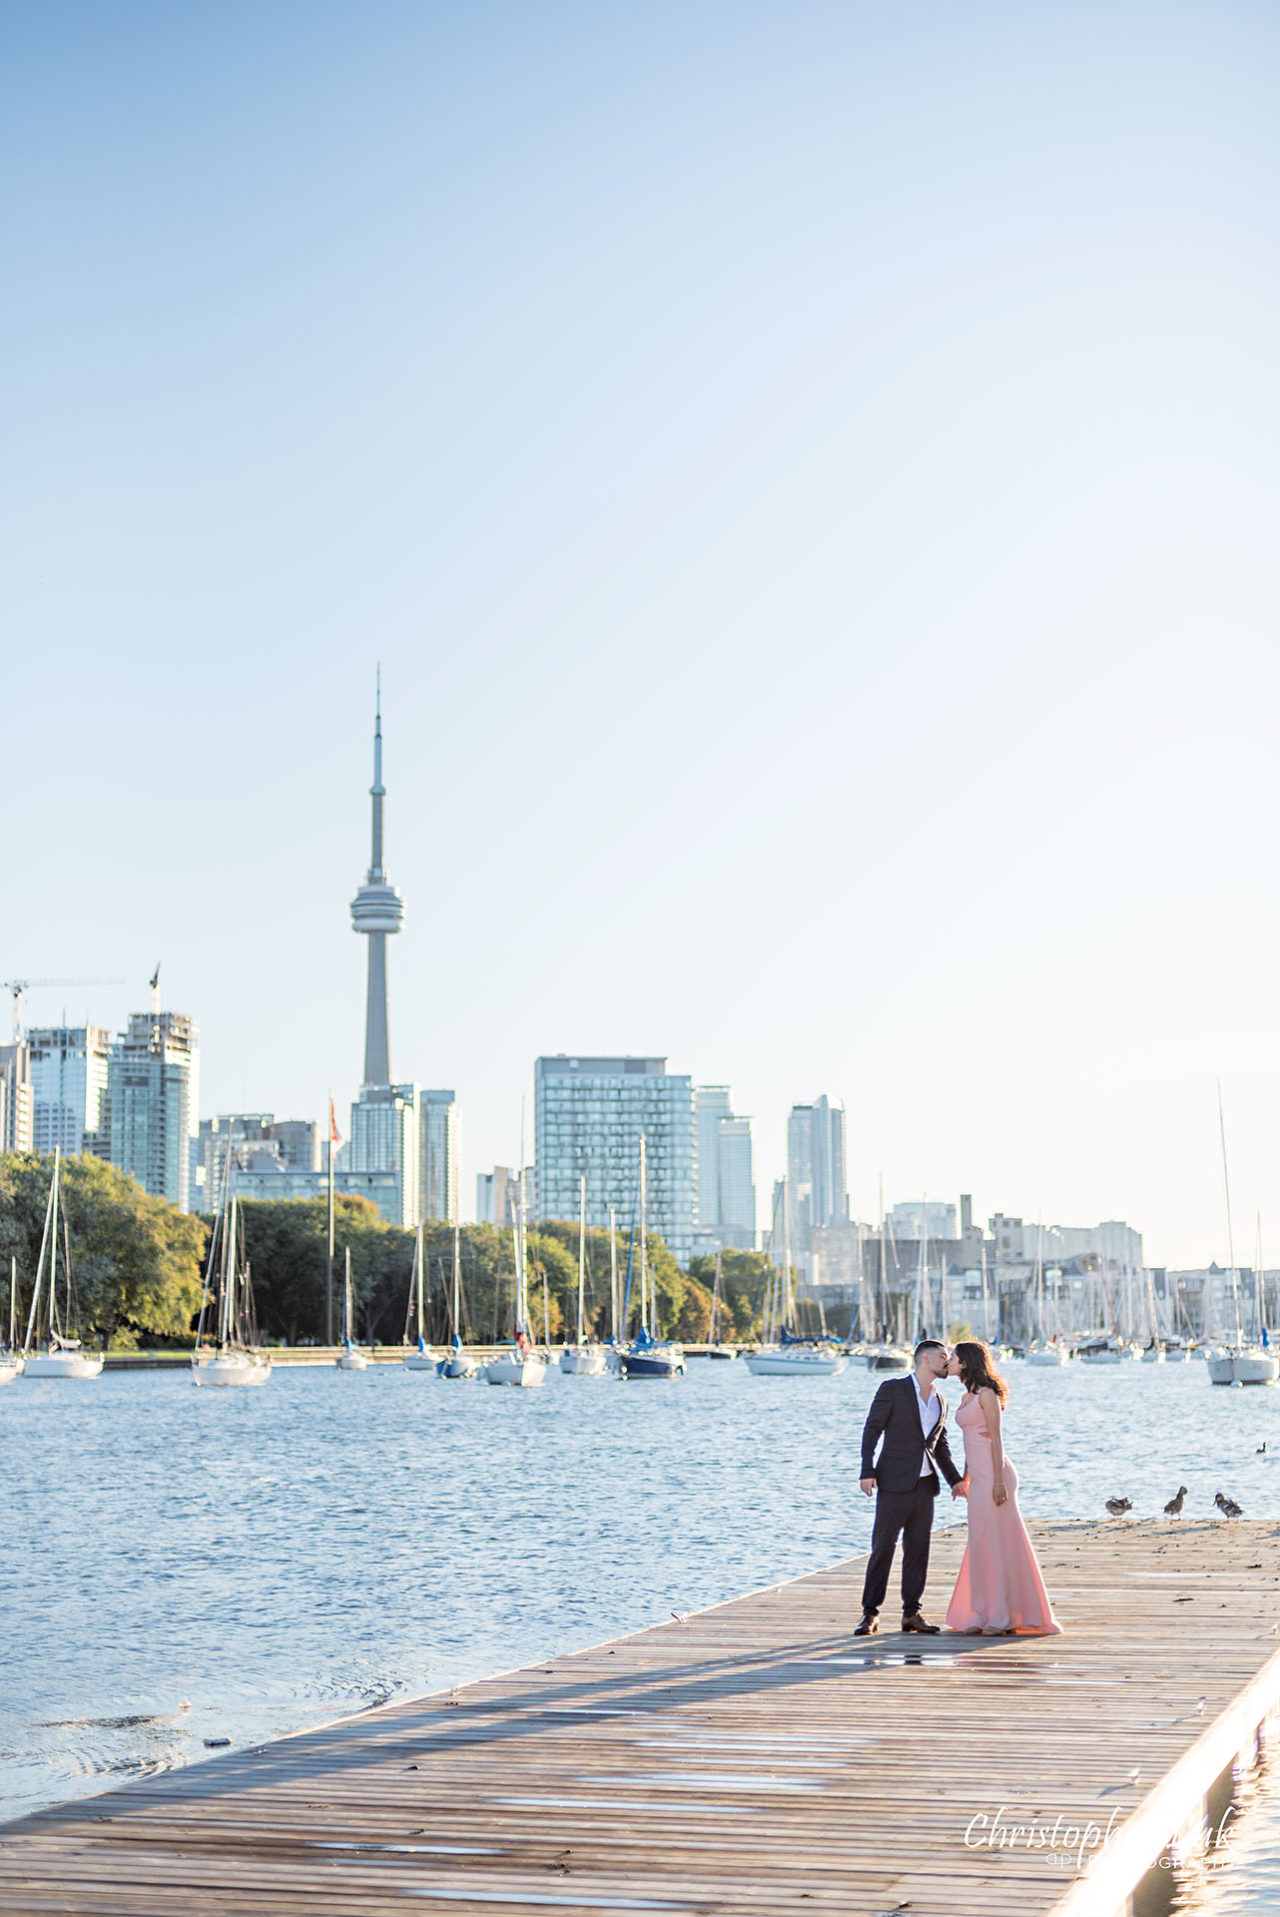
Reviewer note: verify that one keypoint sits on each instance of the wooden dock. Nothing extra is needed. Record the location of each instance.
(753, 1760)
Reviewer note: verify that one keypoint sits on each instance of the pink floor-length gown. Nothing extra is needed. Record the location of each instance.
(999, 1587)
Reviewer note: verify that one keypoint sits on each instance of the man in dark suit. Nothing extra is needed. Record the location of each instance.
(910, 1414)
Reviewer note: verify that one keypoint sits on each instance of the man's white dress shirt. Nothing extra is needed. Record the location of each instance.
(930, 1412)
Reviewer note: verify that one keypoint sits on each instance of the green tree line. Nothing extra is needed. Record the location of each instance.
(138, 1266)
(135, 1259)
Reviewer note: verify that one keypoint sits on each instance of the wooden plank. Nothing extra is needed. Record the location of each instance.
(753, 1759)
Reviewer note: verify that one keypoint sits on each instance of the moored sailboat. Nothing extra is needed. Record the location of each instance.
(784, 1354)
(522, 1365)
(421, 1358)
(647, 1355)
(350, 1358)
(10, 1356)
(1245, 1361)
(232, 1356)
(456, 1362)
(585, 1358)
(51, 1348)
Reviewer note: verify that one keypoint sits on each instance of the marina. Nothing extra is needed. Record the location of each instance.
(747, 1758)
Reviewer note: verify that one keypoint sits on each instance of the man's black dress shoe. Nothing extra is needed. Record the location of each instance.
(916, 1623)
(867, 1628)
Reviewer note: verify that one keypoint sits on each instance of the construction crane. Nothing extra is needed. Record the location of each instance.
(19, 986)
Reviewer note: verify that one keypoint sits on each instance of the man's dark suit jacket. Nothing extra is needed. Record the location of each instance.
(895, 1413)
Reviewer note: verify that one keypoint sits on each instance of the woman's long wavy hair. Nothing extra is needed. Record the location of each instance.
(977, 1368)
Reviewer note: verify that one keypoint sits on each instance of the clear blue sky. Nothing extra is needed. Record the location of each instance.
(809, 472)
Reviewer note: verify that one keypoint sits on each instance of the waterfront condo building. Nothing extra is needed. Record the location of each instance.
(589, 1116)
(816, 1178)
(726, 1194)
(68, 1086)
(384, 1138)
(16, 1104)
(437, 1145)
(152, 1100)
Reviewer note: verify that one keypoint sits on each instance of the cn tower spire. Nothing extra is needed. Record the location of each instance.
(377, 911)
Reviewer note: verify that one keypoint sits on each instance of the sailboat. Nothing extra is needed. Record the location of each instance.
(1043, 1350)
(10, 1356)
(584, 1358)
(715, 1350)
(788, 1356)
(232, 1356)
(422, 1358)
(885, 1355)
(51, 1348)
(350, 1358)
(1246, 1361)
(456, 1363)
(646, 1355)
(523, 1365)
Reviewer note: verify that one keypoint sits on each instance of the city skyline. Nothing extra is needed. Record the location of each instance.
(808, 475)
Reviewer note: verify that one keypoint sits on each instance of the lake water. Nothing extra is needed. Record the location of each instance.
(182, 1565)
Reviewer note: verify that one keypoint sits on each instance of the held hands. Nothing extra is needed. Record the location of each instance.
(960, 1490)
(998, 1492)
(869, 1486)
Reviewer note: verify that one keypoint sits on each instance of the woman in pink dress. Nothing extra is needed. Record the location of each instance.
(999, 1591)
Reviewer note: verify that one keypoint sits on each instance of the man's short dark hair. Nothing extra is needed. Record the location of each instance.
(927, 1344)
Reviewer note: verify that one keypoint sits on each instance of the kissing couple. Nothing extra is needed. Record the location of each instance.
(999, 1592)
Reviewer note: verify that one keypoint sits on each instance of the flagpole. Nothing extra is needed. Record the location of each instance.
(328, 1288)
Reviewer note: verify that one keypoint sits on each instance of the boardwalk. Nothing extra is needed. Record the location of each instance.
(750, 1759)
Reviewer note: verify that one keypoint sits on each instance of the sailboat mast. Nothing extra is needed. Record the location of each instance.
(582, 1248)
(613, 1272)
(644, 1289)
(328, 1280)
(715, 1298)
(13, 1301)
(53, 1250)
(35, 1294)
(786, 1252)
(1231, 1243)
(226, 1304)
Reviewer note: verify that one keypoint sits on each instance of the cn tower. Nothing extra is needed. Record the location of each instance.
(377, 910)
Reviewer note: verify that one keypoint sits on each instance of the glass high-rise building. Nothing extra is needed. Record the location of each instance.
(726, 1196)
(816, 1176)
(68, 1085)
(437, 1144)
(153, 1073)
(384, 1138)
(589, 1115)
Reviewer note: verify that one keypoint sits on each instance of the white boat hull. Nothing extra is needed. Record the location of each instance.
(1153, 1357)
(887, 1358)
(794, 1364)
(352, 1360)
(62, 1364)
(512, 1369)
(583, 1361)
(1242, 1367)
(422, 1361)
(1048, 1355)
(10, 1368)
(250, 1369)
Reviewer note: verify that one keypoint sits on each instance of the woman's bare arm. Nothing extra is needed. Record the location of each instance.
(991, 1412)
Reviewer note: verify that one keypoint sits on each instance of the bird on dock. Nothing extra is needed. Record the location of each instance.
(1228, 1506)
(1118, 1506)
(1174, 1507)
